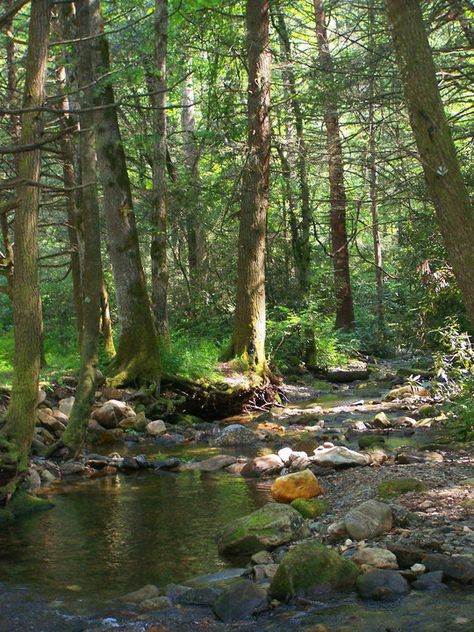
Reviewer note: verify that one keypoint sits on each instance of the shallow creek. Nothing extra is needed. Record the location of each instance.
(62, 569)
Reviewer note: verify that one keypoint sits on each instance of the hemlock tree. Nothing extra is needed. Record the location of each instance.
(434, 141)
(248, 341)
(340, 249)
(17, 433)
(137, 357)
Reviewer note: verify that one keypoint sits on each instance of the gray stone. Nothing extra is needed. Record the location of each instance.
(65, 405)
(262, 466)
(368, 520)
(240, 601)
(235, 434)
(430, 581)
(110, 414)
(147, 592)
(156, 428)
(339, 456)
(214, 464)
(458, 569)
(382, 585)
(375, 558)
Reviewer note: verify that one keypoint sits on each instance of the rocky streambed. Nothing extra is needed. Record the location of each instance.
(342, 510)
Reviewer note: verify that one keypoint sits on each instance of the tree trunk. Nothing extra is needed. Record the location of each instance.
(194, 231)
(297, 160)
(457, 12)
(435, 145)
(105, 321)
(340, 250)
(137, 358)
(73, 436)
(17, 433)
(159, 245)
(248, 341)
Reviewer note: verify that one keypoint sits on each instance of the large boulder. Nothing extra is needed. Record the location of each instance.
(382, 585)
(297, 485)
(240, 601)
(110, 414)
(339, 456)
(458, 569)
(353, 370)
(213, 464)
(268, 527)
(368, 520)
(261, 466)
(309, 569)
(235, 435)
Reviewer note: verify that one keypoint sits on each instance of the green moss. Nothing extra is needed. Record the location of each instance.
(22, 504)
(309, 569)
(395, 487)
(370, 440)
(310, 507)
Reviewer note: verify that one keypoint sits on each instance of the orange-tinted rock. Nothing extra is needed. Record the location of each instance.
(298, 485)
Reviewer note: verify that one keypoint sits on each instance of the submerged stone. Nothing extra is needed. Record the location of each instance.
(240, 601)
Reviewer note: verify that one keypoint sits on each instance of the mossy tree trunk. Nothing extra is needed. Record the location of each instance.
(73, 436)
(434, 141)
(17, 433)
(137, 358)
(159, 245)
(248, 341)
(340, 249)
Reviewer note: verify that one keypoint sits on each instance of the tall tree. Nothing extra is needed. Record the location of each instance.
(340, 248)
(434, 141)
(17, 433)
(159, 246)
(137, 357)
(248, 340)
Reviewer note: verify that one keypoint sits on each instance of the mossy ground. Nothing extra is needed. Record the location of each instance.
(392, 488)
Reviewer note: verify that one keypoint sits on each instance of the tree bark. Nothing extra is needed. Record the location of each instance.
(17, 433)
(248, 340)
(340, 249)
(433, 138)
(159, 240)
(194, 231)
(137, 358)
(73, 436)
(106, 322)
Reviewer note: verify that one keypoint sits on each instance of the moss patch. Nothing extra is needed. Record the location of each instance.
(370, 440)
(22, 504)
(397, 486)
(310, 507)
(309, 569)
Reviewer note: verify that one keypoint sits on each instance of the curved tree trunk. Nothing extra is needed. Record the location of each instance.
(17, 433)
(137, 358)
(434, 141)
(340, 250)
(248, 341)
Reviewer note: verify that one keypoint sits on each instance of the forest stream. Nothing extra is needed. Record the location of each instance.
(64, 569)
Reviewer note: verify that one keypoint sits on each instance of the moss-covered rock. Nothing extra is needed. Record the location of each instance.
(370, 440)
(397, 486)
(309, 569)
(310, 507)
(268, 527)
(23, 503)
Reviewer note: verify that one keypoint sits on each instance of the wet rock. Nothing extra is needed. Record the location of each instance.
(381, 421)
(262, 557)
(298, 485)
(264, 572)
(338, 456)
(110, 414)
(169, 438)
(156, 428)
(350, 372)
(310, 507)
(370, 558)
(458, 569)
(213, 464)
(262, 466)
(237, 467)
(268, 527)
(240, 601)
(368, 520)
(396, 486)
(407, 391)
(235, 435)
(71, 468)
(138, 596)
(156, 603)
(382, 585)
(134, 422)
(34, 479)
(97, 461)
(129, 463)
(166, 464)
(369, 440)
(65, 405)
(309, 569)
(337, 531)
(429, 581)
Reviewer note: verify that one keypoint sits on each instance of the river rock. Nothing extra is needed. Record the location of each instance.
(353, 370)
(156, 603)
(71, 468)
(338, 456)
(156, 428)
(381, 421)
(41, 397)
(309, 569)
(370, 558)
(240, 601)
(310, 507)
(235, 435)
(213, 464)
(458, 569)
(65, 405)
(138, 596)
(368, 520)
(262, 557)
(407, 391)
(298, 485)
(429, 581)
(110, 414)
(49, 422)
(262, 466)
(382, 585)
(268, 527)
